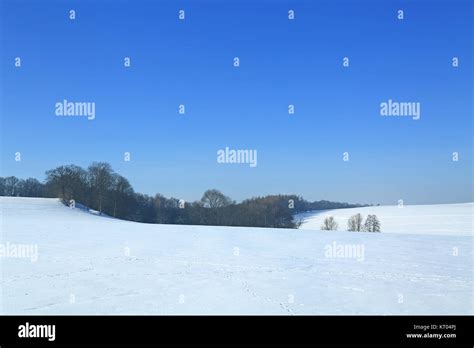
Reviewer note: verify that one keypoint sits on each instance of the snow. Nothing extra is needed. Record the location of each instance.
(89, 264)
(440, 219)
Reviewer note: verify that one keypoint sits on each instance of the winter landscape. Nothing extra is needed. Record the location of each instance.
(236, 157)
(89, 264)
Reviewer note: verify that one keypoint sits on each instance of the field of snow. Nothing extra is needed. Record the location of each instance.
(440, 219)
(88, 264)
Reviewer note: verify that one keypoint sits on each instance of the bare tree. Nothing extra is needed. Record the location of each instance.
(329, 224)
(355, 223)
(100, 180)
(215, 199)
(12, 186)
(372, 224)
(67, 182)
(121, 190)
(57, 179)
(31, 188)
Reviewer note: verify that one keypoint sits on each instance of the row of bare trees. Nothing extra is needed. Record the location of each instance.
(355, 223)
(12, 186)
(100, 188)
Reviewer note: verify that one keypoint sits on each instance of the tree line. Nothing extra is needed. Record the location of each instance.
(100, 188)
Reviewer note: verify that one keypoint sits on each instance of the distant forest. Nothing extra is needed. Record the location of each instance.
(100, 188)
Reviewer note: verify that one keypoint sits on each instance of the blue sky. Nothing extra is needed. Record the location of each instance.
(283, 62)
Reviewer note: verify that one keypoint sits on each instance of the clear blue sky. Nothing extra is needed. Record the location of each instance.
(282, 62)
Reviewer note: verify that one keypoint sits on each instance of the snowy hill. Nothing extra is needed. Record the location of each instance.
(441, 219)
(88, 264)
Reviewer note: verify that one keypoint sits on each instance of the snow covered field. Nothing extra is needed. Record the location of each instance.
(89, 264)
(440, 219)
